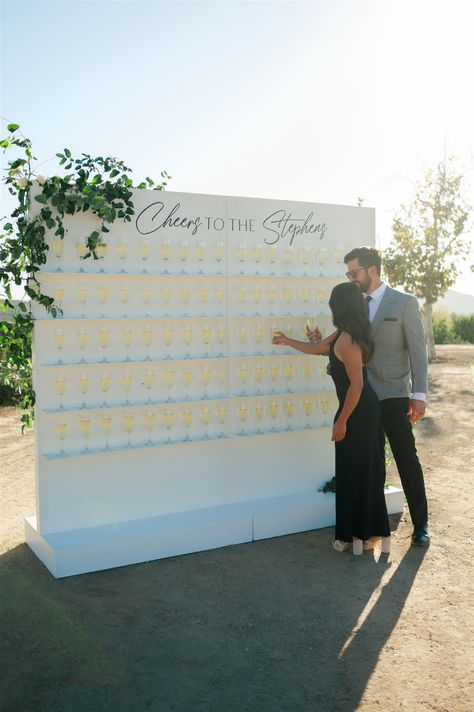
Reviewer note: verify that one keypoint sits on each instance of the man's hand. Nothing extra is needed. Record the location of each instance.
(313, 336)
(280, 339)
(416, 410)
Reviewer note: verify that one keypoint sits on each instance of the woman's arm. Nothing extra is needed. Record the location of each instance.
(351, 355)
(319, 348)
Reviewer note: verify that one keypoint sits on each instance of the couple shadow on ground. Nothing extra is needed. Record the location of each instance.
(283, 624)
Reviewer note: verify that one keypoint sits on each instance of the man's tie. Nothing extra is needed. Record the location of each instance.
(368, 299)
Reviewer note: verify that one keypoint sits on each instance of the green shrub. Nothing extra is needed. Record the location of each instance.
(463, 329)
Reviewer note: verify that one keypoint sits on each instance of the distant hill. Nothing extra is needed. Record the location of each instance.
(456, 302)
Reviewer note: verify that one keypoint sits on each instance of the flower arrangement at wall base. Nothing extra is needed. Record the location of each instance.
(101, 185)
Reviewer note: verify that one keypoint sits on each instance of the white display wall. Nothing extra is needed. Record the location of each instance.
(166, 420)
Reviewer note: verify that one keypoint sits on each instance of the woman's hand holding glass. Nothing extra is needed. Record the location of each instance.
(280, 339)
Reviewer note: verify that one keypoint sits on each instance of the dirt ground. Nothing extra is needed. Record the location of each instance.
(282, 625)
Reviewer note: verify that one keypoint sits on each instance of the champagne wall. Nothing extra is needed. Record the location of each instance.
(166, 420)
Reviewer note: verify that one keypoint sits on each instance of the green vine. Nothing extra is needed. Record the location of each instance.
(100, 185)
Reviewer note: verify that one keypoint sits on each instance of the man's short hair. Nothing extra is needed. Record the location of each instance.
(367, 256)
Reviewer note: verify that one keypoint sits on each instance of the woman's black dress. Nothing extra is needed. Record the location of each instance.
(361, 510)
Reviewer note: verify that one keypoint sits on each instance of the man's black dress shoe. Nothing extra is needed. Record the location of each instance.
(420, 536)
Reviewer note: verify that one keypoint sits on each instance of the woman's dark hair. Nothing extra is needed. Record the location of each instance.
(349, 313)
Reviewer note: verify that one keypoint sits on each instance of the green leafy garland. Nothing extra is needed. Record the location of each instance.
(101, 185)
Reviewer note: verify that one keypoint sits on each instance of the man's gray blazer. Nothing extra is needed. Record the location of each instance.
(399, 365)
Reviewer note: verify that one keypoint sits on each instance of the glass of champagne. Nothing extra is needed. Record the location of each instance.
(122, 249)
(58, 248)
(168, 335)
(82, 296)
(205, 416)
(205, 377)
(219, 253)
(61, 389)
(82, 341)
(144, 252)
(258, 373)
(185, 297)
(61, 430)
(203, 294)
(104, 341)
(273, 409)
(148, 381)
(187, 419)
(124, 293)
(322, 294)
(127, 380)
(324, 406)
(221, 374)
(147, 293)
(305, 258)
(186, 377)
(85, 426)
(322, 254)
(58, 295)
(128, 425)
(149, 422)
(165, 253)
(242, 412)
(106, 425)
(306, 371)
(183, 253)
(242, 334)
(81, 252)
(257, 296)
(288, 370)
(258, 410)
(101, 250)
(219, 294)
(200, 253)
(289, 410)
(59, 342)
(243, 377)
(339, 254)
(305, 294)
(222, 417)
(169, 376)
(288, 294)
(147, 333)
(206, 335)
(272, 255)
(168, 419)
(273, 372)
(220, 334)
(243, 293)
(257, 257)
(127, 336)
(308, 408)
(84, 383)
(271, 296)
(289, 258)
(188, 335)
(166, 295)
(241, 255)
(102, 294)
(104, 382)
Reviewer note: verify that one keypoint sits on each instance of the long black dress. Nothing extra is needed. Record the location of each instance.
(361, 510)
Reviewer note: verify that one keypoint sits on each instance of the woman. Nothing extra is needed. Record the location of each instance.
(361, 511)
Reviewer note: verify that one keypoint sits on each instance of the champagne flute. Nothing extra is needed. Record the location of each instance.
(243, 377)
(188, 335)
(322, 294)
(203, 293)
(168, 418)
(288, 293)
(305, 258)
(101, 250)
(258, 410)
(147, 333)
(59, 342)
(104, 382)
(185, 297)
(61, 388)
(308, 411)
(127, 380)
(124, 293)
(288, 370)
(271, 295)
(200, 253)
(127, 336)
(183, 253)
(102, 294)
(168, 335)
(324, 406)
(148, 381)
(306, 371)
(166, 295)
(257, 255)
(272, 255)
(58, 248)
(241, 255)
(222, 416)
(219, 253)
(106, 425)
(186, 377)
(273, 409)
(219, 294)
(187, 419)
(123, 251)
(305, 294)
(149, 422)
(165, 252)
(289, 410)
(273, 372)
(205, 416)
(289, 257)
(169, 376)
(221, 374)
(242, 412)
(206, 335)
(82, 341)
(146, 296)
(257, 296)
(221, 334)
(61, 430)
(339, 254)
(81, 251)
(242, 334)
(205, 377)
(85, 426)
(322, 254)
(243, 293)
(104, 341)
(58, 295)
(128, 425)
(144, 252)
(82, 296)
(84, 383)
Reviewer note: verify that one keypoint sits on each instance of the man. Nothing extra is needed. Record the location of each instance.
(398, 373)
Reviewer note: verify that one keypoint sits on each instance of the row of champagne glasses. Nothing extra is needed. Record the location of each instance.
(257, 416)
(202, 254)
(257, 297)
(168, 383)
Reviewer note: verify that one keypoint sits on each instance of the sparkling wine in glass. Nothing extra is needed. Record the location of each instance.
(205, 416)
(289, 410)
(58, 248)
(85, 426)
(122, 249)
(106, 425)
(201, 254)
(168, 419)
(219, 253)
(148, 381)
(127, 336)
(205, 377)
(81, 252)
(61, 430)
(58, 295)
(61, 389)
(187, 419)
(104, 382)
(82, 296)
(169, 378)
(259, 411)
(102, 294)
(165, 253)
(101, 250)
(183, 254)
(186, 378)
(147, 333)
(127, 380)
(59, 342)
(149, 422)
(128, 425)
(104, 341)
(308, 408)
(168, 335)
(144, 252)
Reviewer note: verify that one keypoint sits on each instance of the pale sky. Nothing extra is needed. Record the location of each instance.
(314, 101)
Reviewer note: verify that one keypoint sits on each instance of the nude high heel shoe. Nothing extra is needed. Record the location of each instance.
(371, 543)
(385, 544)
(357, 546)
